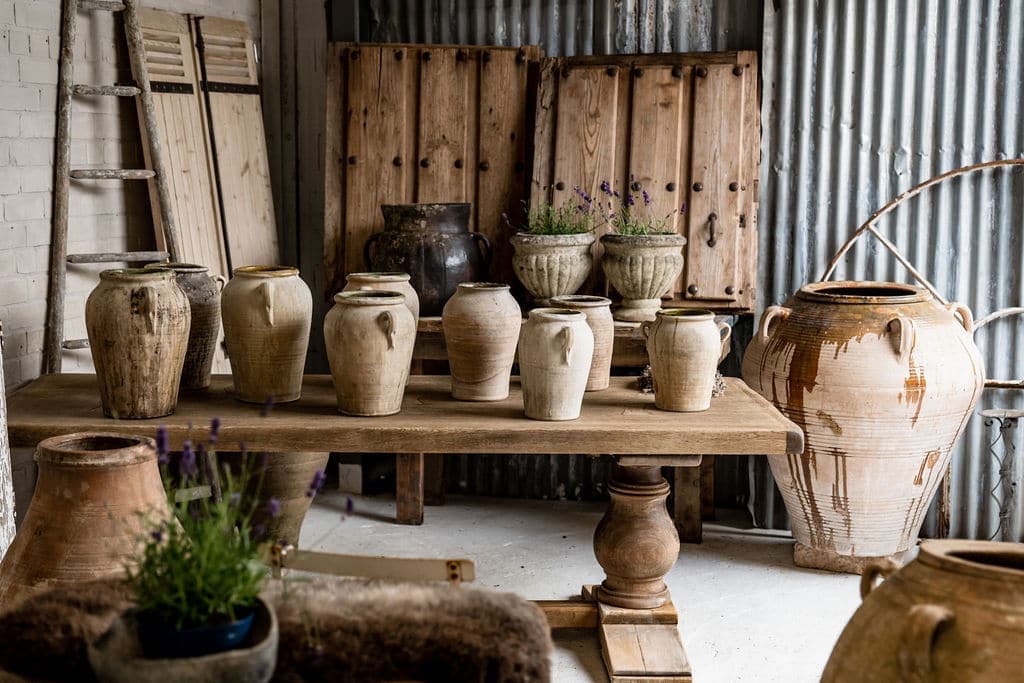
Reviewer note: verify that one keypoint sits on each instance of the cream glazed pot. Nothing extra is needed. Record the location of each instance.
(386, 282)
(684, 347)
(266, 312)
(555, 350)
(369, 337)
(599, 317)
(481, 325)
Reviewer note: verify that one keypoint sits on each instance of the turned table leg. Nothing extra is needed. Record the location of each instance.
(636, 542)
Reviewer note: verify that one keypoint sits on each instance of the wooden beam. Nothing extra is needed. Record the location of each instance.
(409, 488)
(563, 614)
(686, 507)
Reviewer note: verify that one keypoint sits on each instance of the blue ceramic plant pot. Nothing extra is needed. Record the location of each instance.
(161, 640)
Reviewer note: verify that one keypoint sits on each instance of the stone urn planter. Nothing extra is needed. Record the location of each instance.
(552, 265)
(82, 523)
(386, 282)
(138, 322)
(555, 350)
(882, 379)
(267, 312)
(481, 324)
(117, 656)
(684, 347)
(203, 292)
(433, 244)
(641, 268)
(956, 613)
(599, 317)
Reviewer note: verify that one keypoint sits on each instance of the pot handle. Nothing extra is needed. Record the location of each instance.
(883, 568)
(646, 329)
(906, 335)
(370, 241)
(387, 323)
(220, 280)
(918, 639)
(267, 295)
(485, 248)
(963, 315)
(770, 314)
(567, 342)
(727, 329)
(147, 306)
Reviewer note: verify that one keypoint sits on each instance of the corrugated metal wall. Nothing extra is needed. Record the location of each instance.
(862, 100)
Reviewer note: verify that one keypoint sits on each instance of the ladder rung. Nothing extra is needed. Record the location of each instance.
(119, 257)
(102, 5)
(111, 90)
(72, 344)
(111, 174)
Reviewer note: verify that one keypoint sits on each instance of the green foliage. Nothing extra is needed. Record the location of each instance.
(568, 219)
(632, 214)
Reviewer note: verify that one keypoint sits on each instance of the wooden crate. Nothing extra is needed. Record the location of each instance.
(423, 123)
(684, 126)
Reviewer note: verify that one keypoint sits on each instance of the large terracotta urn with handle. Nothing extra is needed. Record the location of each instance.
(882, 379)
(956, 613)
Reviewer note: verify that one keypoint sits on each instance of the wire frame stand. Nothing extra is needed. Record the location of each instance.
(1003, 449)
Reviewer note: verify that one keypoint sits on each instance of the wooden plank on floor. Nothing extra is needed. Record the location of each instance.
(666, 614)
(686, 508)
(661, 648)
(569, 613)
(409, 488)
(620, 647)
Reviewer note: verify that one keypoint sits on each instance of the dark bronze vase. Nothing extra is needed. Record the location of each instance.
(432, 243)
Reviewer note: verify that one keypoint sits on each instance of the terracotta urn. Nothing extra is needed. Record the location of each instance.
(481, 324)
(882, 380)
(641, 268)
(555, 350)
(267, 311)
(138, 322)
(203, 292)
(956, 613)
(96, 496)
(684, 347)
(599, 318)
(433, 244)
(386, 282)
(369, 336)
(552, 265)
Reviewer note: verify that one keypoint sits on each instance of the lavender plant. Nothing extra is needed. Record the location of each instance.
(631, 214)
(571, 218)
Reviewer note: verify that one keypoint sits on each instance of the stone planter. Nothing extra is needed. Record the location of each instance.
(956, 613)
(267, 311)
(599, 317)
(882, 379)
(386, 282)
(685, 347)
(552, 265)
(555, 350)
(641, 268)
(481, 325)
(138, 322)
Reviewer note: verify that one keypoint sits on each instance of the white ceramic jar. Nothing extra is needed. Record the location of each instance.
(481, 325)
(555, 350)
(684, 347)
(386, 282)
(599, 317)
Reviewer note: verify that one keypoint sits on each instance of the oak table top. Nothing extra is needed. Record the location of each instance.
(617, 421)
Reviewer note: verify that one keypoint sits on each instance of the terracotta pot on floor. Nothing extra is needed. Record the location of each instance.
(956, 613)
(481, 329)
(138, 322)
(599, 317)
(882, 379)
(555, 350)
(83, 521)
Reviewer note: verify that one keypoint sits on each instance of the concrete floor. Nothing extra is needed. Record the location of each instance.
(746, 613)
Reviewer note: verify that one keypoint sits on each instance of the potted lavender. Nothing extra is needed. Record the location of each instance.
(642, 255)
(552, 251)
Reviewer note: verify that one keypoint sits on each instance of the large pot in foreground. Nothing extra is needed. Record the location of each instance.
(882, 379)
(956, 613)
(433, 244)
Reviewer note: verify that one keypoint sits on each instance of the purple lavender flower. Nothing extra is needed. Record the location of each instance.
(163, 445)
(157, 536)
(630, 200)
(647, 198)
(606, 188)
(583, 195)
(214, 429)
(188, 459)
(682, 209)
(581, 208)
(267, 405)
(318, 482)
(273, 508)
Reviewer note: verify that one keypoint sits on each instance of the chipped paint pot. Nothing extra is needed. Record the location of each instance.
(882, 379)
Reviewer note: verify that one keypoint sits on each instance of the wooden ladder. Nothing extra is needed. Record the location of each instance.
(66, 90)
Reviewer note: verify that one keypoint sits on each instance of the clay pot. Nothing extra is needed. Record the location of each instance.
(285, 477)
(882, 380)
(369, 337)
(642, 268)
(386, 282)
(203, 292)
(685, 347)
(552, 265)
(97, 494)
(267, 311)
(956, 613)
(432, 243)
(555, 350)
(481, 325)
(599, 317)
(138, 324)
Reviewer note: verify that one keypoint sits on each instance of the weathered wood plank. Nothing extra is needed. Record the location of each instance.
(443, 132)
(686, 507)
(544, 126)
(7, 528)
(563, 614)
(620, 647)
(746, 296)
(707, 488)
(334, 170)
(409, 488)
(585, 135)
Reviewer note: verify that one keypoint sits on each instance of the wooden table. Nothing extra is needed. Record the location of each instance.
(635, 543)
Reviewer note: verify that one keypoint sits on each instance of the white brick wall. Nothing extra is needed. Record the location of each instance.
(104, 216)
